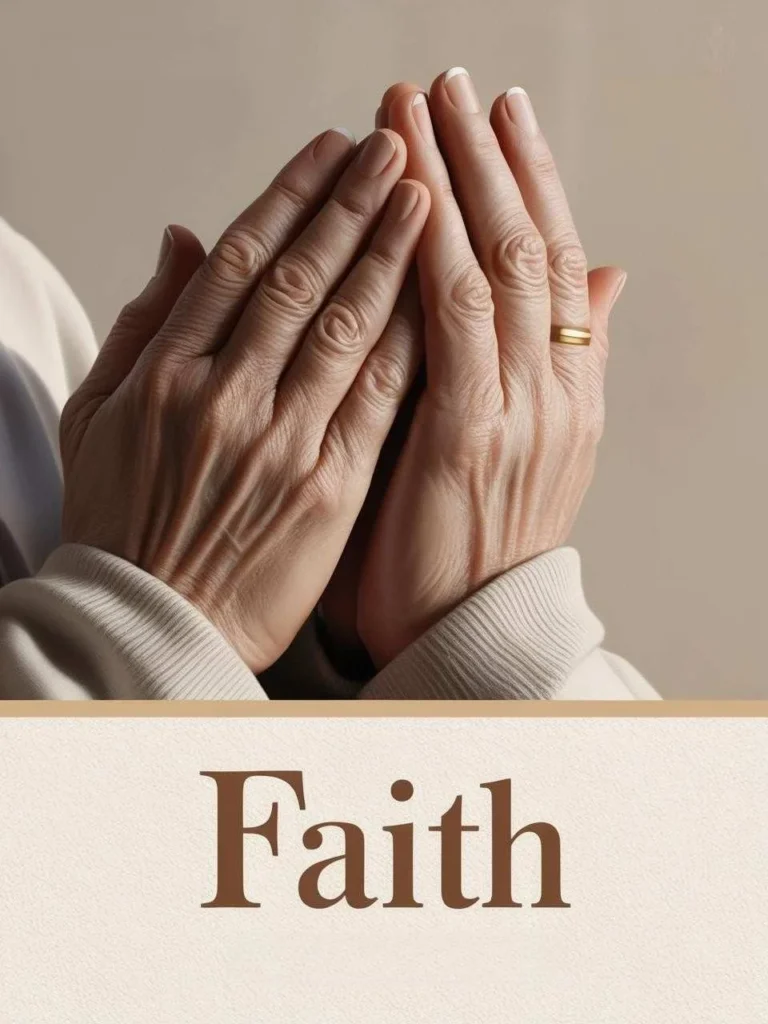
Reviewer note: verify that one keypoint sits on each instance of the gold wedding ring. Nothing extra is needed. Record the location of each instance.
(570, 336)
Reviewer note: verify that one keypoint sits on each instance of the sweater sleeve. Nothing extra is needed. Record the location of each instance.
(528, 635)
(92, 626)
(46, 348)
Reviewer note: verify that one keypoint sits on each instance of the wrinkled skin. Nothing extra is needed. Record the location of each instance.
(227, 434)
(502, 446)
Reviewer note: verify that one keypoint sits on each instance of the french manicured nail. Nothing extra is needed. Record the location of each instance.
(376, 155)
(520, 110)
(460, 90)
(619, 289)
(422, 118)
(404, 200)
(334, 144)
(165, 250)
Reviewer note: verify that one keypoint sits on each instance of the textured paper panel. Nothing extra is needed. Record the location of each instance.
(108, 839)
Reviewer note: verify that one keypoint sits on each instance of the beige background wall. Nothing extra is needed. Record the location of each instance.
(120, 117)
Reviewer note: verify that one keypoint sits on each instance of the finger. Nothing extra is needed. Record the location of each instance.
(364, 427)
(406, 320)
(389, 97)
(511, 251)
(533, 166)
(181, 255)
(215, 298)
(461, 349)
(605, 285)
(298, 284)
(403, 334)
(353, 321)
(393, 93)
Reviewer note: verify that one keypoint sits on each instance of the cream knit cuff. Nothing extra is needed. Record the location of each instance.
(519, 638)
(113, 631)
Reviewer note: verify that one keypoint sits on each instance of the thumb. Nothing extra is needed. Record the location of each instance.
(605, 286)
(181, 253)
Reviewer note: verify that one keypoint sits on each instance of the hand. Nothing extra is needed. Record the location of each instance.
(340, 600)
(227, 434)
(502, 447)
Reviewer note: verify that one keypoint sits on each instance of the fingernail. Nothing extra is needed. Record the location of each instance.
(334, 144)
(346, 133)
(520, 110)
(404, 200)
(376, 155)
(460, 90)
(619, 289)
(165, 250)
(421, 116)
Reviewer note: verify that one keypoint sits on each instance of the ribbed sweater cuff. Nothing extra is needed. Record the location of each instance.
(128, 635)
(519, 638)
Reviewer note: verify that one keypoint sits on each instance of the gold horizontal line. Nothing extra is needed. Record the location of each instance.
(385, 709)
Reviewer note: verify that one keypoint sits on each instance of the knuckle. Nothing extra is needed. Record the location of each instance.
(471, 300)
(296, 283)
(520, 260)
(340, 329)
(569, 267)
(239, 256)
(385, 259)
(290, 193)
(543, 164)
(337, 458)
(537, 155)
(385, 379)
(484, 142)
(354, 204)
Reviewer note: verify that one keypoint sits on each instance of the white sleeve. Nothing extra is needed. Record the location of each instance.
(47, 347)
(41, 320)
